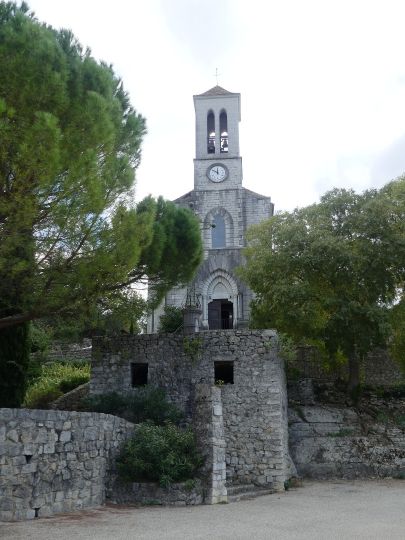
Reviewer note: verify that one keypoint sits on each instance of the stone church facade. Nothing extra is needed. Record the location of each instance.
(225, 210)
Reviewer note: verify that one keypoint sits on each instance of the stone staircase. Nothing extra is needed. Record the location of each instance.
(247, 491)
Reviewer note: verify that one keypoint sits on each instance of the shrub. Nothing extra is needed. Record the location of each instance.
(163, 454)
(145, 404)
(40, 338)
(171, 320)
(55, 380)
(73, 381)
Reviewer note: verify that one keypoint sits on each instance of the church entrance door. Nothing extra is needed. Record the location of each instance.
(220, 314)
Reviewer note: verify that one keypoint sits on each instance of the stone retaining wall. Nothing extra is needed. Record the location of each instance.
(72, 400)
(377, 369)
(254, 404)
(55, 461)
(336, 441)
(181, 494)
(70, 351)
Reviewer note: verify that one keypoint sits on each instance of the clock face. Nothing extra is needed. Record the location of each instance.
(217, 173)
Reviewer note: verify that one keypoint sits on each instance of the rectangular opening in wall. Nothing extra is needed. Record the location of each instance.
(223, 372)
(139, 374)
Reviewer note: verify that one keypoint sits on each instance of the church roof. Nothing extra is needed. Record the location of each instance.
(216, 91)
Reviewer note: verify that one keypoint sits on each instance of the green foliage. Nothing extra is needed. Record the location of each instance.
(287, 348)
(396, 344)
(145, 404)
(56, 379)
(331, 272)
(163, 454)
(14, 359)
(40, 338)
(176, 249)
(192, 347)
(70, 234)
(393, 392)
(120, 312)
(171, 320)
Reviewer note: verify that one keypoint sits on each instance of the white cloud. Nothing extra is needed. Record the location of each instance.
(322, 84)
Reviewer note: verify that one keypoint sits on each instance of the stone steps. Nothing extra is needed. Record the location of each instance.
(247, 491)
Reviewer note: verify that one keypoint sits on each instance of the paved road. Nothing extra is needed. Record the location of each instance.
(372, 510)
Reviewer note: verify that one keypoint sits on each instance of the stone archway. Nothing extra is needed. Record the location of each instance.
(220, 301)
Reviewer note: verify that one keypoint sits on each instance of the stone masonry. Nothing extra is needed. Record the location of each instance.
(225, 210)
(329, 439)
(209, 426)
(55, 461)
(254, 406)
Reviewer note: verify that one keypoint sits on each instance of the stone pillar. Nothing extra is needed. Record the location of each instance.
(191, 320)
(209, 428)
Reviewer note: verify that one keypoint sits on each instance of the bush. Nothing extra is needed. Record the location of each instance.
(40, 338)
(73, 381)
(146, 404)
(55, 380)
(163, 454)
(171, 320)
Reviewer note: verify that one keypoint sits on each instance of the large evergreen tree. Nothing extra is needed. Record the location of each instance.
(70, 143)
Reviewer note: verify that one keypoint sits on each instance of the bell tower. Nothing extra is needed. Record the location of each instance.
(217, 164)
(225, 210)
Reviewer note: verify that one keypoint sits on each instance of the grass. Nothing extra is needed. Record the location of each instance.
(54, 380)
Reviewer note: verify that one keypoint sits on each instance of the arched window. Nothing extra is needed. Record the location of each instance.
(223, 129)
(218, 232)
(210, 133)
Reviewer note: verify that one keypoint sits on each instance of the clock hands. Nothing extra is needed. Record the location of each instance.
(217, 173)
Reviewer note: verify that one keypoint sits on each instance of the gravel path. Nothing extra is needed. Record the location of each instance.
(318, 510)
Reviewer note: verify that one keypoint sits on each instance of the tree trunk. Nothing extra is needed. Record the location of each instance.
(354, 374)
(14, 359)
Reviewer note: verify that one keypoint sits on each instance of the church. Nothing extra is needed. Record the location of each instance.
(225, 210)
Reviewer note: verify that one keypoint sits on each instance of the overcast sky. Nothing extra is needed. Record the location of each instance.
(322, 85)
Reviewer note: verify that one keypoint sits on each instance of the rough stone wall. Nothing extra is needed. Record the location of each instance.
(254, 417)
(55, 461)
(209, 427)
(377, 369)
(72, 400)
(254, 412)
(332, 440)
(70, 351)
(381, 370)
(179, 494)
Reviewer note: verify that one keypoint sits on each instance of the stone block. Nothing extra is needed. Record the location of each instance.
(13, 436)
(7, 515)
(65, 436)
(29, 468)
(30, 513)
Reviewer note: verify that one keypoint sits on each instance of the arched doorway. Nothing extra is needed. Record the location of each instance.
(220, 301)
(220, 314)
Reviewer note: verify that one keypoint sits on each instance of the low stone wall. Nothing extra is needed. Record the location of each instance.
(55, 461)
(69, 351)
(181, 494)
(72, 400)
(336, 441)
